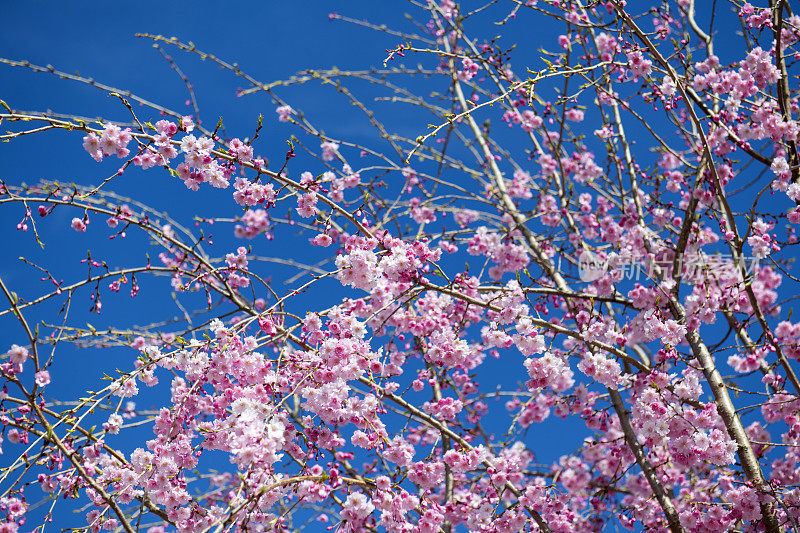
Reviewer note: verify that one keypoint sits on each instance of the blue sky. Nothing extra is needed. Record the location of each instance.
(269, 40)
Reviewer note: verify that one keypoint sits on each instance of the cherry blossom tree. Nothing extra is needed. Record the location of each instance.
(600, 234)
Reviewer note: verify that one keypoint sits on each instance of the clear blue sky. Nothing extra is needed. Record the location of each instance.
(269, 40)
